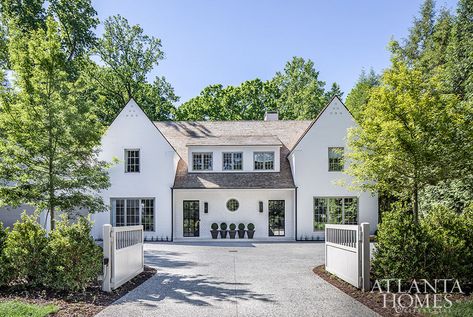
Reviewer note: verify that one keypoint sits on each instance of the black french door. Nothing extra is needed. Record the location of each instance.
(276, 215)
(191, 218)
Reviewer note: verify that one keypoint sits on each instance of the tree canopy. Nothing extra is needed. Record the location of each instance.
(49, 132)
(296, 93)
(416, 132)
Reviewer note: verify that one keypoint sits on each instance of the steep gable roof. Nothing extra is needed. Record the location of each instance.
(317, 118)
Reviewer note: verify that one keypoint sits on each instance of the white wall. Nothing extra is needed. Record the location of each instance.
(309, 162)
(247, 212)
(248, 165)
(133, 130)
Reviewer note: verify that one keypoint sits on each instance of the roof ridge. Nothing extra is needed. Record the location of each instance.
(225, 121)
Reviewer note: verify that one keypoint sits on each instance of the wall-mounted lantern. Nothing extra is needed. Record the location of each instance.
(260, 206)
(206, 207)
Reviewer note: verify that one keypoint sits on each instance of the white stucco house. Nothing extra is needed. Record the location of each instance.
(177, 178)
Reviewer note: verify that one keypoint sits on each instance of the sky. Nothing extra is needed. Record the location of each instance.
(229, 41)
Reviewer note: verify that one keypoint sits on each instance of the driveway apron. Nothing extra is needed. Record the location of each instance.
(235, 279)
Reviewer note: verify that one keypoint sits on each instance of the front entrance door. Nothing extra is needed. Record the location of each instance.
(191, 218)
(276, 217)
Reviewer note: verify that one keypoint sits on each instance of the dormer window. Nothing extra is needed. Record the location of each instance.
(233, 161)
(264, 161)
(202, 161)
(132, 161)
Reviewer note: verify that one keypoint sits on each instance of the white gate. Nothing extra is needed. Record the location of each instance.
(347, 253)
(123, 255)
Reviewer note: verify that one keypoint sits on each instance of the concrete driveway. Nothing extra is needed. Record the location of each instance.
(235, 279)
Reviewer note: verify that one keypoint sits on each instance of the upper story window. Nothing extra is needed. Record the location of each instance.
(202, 161)
(132, 161)
(233, 161)
(335, 159)
(264, 160)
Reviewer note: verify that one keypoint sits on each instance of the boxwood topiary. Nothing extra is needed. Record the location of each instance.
(223, 226)
(214, 226)
(241, 226)
(251, 226)
(232, 226)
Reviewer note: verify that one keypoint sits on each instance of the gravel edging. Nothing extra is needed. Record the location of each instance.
(86, 304)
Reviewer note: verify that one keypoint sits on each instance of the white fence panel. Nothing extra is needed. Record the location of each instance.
(347, 253)
(123, 255)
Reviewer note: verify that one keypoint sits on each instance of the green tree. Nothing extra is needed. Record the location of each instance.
(413, 135)
(249, 101)
(76, 21)
(335, 90)
(49, 133)
(460, 53)
(358, 97)
(128, 56)
(301, 92)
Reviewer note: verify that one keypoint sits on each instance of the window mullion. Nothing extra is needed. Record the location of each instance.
(125, 212)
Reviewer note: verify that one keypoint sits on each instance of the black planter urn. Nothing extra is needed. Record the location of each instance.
(223, 234)
(232, 234)
(250, 233)
(241, 234)
(214, 234)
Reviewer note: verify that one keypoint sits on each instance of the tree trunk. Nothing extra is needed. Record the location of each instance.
(51, 214)
(415, 202)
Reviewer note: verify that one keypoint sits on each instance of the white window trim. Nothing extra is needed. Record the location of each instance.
(113, 215)
(202, 154)
(328, 159)
(232, 170)
(125, 153)
(264, 169)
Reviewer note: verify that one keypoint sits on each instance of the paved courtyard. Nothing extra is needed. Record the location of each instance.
(235, 279)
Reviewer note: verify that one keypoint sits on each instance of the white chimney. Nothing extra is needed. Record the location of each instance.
(271, 116)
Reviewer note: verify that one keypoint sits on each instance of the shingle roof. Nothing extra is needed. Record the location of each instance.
(182, 134)
(228, 140)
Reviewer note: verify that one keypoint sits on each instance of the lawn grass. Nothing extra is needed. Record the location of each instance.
(458, 309)
(20, 309)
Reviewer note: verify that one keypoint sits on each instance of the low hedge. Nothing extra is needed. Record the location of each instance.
(439, 246)
(66, 259)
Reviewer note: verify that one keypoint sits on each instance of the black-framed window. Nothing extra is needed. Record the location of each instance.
(233, 161)
(335, 210)
(264, 160)
(147, 214)
(202, 161)
(132, 161)
(133, 211)
(233, 204)
(335, 159)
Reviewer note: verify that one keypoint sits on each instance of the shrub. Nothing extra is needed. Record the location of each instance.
(445, 257)
(25, 248)
(399, 248)
(241, 226)
(74, 258)
(5, 270)
(439, 247)
(223, 226)
(214, 226)
(232, 226)
(251, 227)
